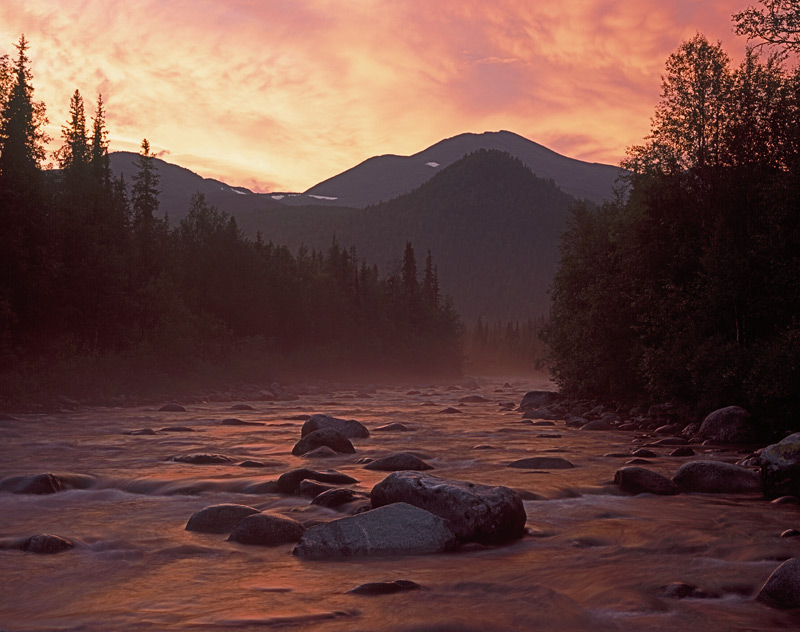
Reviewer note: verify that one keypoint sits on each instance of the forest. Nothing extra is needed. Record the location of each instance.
(687, 287)
(99, 291)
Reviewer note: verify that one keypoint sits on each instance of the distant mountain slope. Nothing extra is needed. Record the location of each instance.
(382, 178)
(177, 185)
(492, 226)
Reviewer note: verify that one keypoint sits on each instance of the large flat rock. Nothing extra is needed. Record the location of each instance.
(479, 513)
(396, 529)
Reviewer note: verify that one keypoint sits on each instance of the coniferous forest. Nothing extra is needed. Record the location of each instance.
(688, 288)
(97, 286)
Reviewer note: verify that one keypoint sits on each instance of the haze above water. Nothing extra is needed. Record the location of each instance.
(593, 559)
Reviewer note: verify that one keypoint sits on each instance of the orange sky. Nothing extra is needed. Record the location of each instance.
(281, 94)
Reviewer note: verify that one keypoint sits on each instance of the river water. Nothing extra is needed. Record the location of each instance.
(593, 559)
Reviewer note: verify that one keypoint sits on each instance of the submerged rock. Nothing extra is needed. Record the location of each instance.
(782, 588)
(385, 588)
(397, 462)
(395, 529)
(476, 512)
(289, 482)
(219, 518)
(35, 484)
(450, 411)
(233, 421)
(47, 543)
(539, 399)
(638, 480)
(327, 437)
(265, 529)
(731, 424)
(203, 459)
(393, 427)
(780, 467)
(716, 477)
(337, 497)
(348, 427)
(473, 399)
(542, 463)
(172, 408)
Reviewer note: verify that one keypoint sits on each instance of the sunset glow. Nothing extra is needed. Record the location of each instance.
(282, 94)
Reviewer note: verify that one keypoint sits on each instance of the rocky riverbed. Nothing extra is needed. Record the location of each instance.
(438, 508)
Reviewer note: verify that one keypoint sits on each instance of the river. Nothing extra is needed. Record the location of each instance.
(593, 559)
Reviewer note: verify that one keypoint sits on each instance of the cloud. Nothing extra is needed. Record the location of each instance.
(288, 93)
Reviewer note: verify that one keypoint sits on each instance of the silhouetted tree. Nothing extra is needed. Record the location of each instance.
(777, 23)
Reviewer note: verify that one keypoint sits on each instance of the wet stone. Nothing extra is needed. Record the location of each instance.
(220, 518)
(782, 588)
(265, 529)
(645, 453)
(385, 588)
(337, 497)
(450, 411)
(398, 462)
(47, 544)
(638, 480)
(392, 427)
(328, 437)
(542, 463)
(350, 428)
(177, 429)
(242, 407)
(172, 408)
(203, 459)
(683, 451)
(232, 421)
(249, 463)
(289, 482)
(35, 484)
(790, 533)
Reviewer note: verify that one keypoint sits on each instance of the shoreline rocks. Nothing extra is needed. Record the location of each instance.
(716, 477)
(780, 467)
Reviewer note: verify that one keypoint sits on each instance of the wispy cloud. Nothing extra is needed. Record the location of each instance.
(284, 93)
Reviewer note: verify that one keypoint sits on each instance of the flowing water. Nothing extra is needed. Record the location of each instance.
(593, 559)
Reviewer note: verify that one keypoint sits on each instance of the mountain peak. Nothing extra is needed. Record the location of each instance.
(382, 178)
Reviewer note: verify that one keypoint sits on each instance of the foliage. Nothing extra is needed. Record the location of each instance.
(777, 23)
(688, 289)
(90, 270)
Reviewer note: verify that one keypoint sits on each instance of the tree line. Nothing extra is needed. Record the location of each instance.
(687, 286)
(90, 269)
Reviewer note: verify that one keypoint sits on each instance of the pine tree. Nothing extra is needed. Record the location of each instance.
(144, 199)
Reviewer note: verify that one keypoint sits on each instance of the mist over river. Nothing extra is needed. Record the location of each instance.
(592, 559)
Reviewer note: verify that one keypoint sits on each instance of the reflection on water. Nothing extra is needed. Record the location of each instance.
(593, 559)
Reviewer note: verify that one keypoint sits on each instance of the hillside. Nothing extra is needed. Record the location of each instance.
(383, 178)
(492, 226)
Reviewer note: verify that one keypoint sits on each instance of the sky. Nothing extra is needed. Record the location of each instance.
(278, 95)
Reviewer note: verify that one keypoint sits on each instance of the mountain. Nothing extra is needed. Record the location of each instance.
(383, 178)
(492, 225)
(177, 185)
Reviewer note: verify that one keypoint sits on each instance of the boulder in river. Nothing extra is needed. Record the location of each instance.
(264, 529)
(47, 543)
(385, 588)
(397, 462)
(35, 484)
(542, 463)
(220, 518)
(395, 426)
(337, 497)
(289, 482)
(327, 437)
(638, 480)
(473, 399)
(782, 588)
(538, 399)
(203, 459)
(731, 424)
(348, 427)
(394, 529)
(716, 477)
(780, 467)
(476, 512)
(172, 408)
